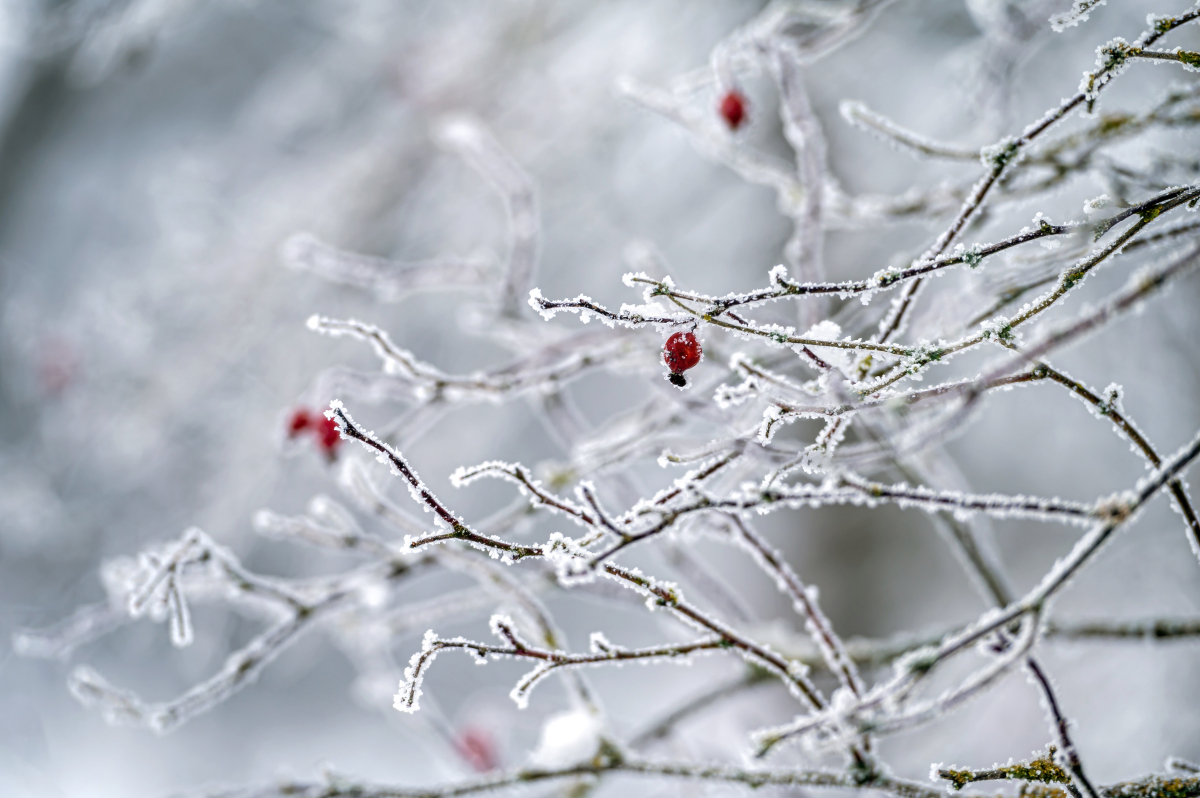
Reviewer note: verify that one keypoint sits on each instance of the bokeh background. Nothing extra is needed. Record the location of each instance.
(156, 154)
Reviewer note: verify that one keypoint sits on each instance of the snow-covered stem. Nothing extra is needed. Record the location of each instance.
(294, 609)
(662, 593)
(1120, 510)
(1068, 279)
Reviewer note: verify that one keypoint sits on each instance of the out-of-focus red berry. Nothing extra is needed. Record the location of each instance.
(304, 422)
(328, 437)
(300, 421)
(478, 748)
(733, 109)
(681, 352)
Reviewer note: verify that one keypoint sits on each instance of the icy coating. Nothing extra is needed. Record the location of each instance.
(812, 394)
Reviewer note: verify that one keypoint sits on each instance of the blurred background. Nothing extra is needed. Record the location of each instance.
(155, 155)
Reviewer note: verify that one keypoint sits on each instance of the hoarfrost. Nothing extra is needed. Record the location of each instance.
(1080, 11)
(737, 469)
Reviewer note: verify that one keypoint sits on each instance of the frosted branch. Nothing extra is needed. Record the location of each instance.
(548, 660)
(1150, 787)
(389, 281)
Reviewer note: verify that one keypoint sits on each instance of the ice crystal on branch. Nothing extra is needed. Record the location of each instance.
(1080, 11)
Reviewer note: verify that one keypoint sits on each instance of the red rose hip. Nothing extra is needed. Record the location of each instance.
(299, 422)
(681, 352)
(324, 431)
(733, 109)
(328, 436)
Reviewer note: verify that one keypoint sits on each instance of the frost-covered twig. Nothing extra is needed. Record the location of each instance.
(59, 641)
(388, 280)
(804, 599)
(1069, 753)
(549, 660)
(805, 250)
(1140, 286)
(557, 363)
(294, 610)
(1110, 407)
(859, 115)
(478, 147)
(1001, 155)
(611, 763)
(1150, 787)
(914, 668)
(564, 552)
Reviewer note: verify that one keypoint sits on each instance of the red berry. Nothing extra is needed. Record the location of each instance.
(300, 421)
(681, 352)
(477, 747)
(328, 436)
(733, 109)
